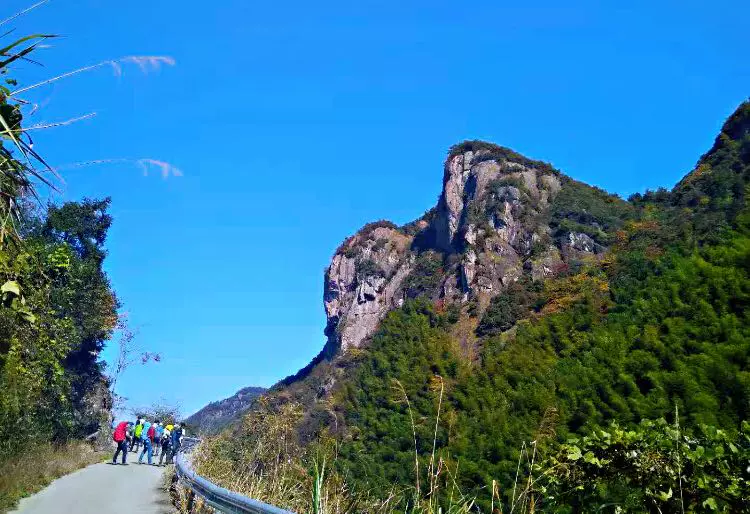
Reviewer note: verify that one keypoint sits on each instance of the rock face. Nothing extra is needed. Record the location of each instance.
(495, 221)
(492, 212)
(363, 280)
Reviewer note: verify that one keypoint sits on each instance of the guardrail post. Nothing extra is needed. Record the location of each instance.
(191, 501)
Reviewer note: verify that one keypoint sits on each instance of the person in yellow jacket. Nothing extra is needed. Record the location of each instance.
(137, 432)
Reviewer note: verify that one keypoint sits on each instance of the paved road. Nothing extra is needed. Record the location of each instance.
(103, 488)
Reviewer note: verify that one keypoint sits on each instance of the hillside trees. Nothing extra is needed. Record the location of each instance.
(661, 322)
(653, 466)
(57, 306)
(52, 379)
(577, 369)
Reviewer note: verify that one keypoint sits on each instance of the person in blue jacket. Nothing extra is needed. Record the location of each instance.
(147, 446)
(158, 431)
(176, 435)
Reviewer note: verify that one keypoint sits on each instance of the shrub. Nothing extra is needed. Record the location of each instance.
(653, 467)
(491, 151)
(426, 276)
(589, 210)
(505, 309)
(369, 268)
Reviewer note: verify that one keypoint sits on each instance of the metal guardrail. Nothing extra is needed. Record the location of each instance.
(217, 497)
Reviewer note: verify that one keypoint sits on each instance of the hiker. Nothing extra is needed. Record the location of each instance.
(176, 437)
(123, 432)
(146, 440)
(137, 439)
(158, 430)
(166, 445)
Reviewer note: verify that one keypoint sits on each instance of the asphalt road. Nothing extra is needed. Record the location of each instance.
(103, 488)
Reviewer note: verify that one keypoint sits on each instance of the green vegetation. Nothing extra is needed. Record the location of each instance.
(369, 268)
(506, 308)
(57, 313)
(424, 279)
(678, 338)
(491, 151)
(57, 308)
(620, 385)
(40, 465)
(579, 207)
(653, 466)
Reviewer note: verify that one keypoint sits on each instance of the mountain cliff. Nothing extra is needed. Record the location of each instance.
(500, 217)
(527, 308)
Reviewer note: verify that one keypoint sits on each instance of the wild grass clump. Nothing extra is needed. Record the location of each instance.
(31, 470)
(263, 459)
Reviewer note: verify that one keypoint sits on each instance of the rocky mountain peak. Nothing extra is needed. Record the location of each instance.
(495, 220)
(476, 169)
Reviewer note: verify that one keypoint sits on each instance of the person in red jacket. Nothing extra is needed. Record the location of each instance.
(121, 436)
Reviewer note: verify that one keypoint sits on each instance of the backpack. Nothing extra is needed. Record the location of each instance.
(176, 435)
(120, 432)
(138, 430)
(151, 432)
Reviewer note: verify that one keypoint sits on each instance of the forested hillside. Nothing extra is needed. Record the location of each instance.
(525, 310)
(660, 322)
(217, 415)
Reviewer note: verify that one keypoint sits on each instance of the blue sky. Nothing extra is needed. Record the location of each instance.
(294, 123)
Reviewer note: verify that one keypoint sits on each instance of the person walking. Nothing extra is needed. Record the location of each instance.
(158, 431)
(147, 447)
(176, 437)
(166, 446)
(121, 436)
(137, 439)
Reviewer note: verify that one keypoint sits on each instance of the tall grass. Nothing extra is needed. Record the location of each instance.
(263, 459)
(37, 465)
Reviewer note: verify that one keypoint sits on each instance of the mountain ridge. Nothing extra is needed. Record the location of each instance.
(218, 414)
(528, 306)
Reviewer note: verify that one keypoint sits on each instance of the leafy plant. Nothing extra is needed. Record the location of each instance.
(654, 467)
(426, 275)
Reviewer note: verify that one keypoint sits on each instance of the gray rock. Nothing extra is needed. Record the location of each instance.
(581, 242)
(355, 302)
(489, 216)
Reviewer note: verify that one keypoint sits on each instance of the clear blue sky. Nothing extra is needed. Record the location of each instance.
(297, 122)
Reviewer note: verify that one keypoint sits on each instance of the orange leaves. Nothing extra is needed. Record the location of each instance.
(564, 292)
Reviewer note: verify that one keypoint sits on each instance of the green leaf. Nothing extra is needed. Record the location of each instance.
(711, 504)
(590, 458)
(664, 495)
(11, 286)
(574, 453)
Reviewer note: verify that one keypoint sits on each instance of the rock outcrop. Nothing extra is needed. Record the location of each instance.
(496, 220)
(362, 283)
